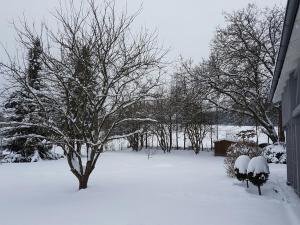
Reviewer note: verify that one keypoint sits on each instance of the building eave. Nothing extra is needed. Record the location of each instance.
(289, 21)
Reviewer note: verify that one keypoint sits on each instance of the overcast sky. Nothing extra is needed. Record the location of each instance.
(184, 26)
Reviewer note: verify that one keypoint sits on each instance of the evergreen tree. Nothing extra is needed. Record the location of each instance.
(26, 141)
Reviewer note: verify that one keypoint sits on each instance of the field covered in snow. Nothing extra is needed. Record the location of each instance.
(126, 188)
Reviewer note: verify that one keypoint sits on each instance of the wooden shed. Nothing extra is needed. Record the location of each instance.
(221, 147)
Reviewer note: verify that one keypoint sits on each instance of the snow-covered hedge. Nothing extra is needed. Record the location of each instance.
(275, 153)
(236, 150)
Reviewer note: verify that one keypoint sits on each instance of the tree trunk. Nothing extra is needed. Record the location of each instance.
(146, 140)
(134, 142)
(83, 181)
(211, 138)
(152, 136)
(184, 139)
(78, 148)
(256, 130)
(271, 133)
(217, 122)
(170, 138)
(259, 191)
(177, 145)
(141, 141)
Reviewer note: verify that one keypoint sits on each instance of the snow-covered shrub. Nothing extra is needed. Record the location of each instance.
(234, 151)
(246, 134)
(282, 159)
(13, 157)
(275, 153)
(240, 168)
(258, 171)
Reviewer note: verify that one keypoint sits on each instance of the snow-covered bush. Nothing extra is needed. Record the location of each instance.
(240, 168)
(14, 157)
(275, 153)
(234, 151)
(258, 171)
(246, 134)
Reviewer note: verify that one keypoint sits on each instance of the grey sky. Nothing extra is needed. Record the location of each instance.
(185, 26)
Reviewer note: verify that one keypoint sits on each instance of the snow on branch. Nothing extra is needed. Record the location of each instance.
(125, 135)
(137, 120)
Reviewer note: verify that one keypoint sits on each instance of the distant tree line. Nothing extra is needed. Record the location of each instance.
(230, 87)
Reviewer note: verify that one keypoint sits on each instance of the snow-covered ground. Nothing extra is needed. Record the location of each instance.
(126, 188)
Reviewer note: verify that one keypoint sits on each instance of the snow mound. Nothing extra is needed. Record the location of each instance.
(241, 163)
(258, 165)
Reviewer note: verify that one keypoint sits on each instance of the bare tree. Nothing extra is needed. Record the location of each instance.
(138, 110)
(197, 129)
(195, 119)
(95, 68)
(240, 69)
(194, 109)
(162, 133)
(162, 112)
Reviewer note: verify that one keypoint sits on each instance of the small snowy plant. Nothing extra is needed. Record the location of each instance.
(245, 135)
(275, 153)
(258, 171)
(240, 168)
